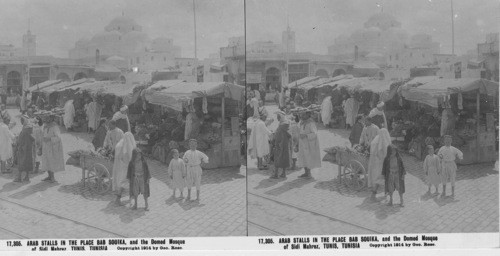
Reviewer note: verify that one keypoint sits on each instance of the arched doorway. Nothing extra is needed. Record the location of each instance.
(62, 76)
(123, 79)
(79, 76)
(273, 79)
(14, 82)
(338, 72)
(381, 75)
(322, 73)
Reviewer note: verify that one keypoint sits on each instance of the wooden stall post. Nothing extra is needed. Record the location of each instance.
(478, 101)
(223, 128)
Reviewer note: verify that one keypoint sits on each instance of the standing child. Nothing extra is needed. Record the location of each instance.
(432, 169)
(138, 176)
(193, 159)
(448, 155)
(394, 174)
(177, 173)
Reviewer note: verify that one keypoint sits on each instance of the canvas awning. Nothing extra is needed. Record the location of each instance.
(42, 85)
(173, 93)
(125, 91)
(62, 85)
(430, 92)
(302, 81)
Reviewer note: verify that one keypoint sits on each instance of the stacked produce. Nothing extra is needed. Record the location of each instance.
(312, 107)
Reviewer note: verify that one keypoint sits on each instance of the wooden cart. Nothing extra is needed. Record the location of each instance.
(353, 169)
(96, 173)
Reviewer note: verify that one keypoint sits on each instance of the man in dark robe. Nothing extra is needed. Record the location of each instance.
(282, 147)
(356, 131)
(100, 134)
(25, 150)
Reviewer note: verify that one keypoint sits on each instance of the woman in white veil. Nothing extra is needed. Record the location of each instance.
(378, 152)
(123, 155)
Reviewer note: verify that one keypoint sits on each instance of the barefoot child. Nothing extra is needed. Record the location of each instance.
(177, 172)
(394, 174)
(432, 169)
(193, 159)
(448, 155)
(138, 175)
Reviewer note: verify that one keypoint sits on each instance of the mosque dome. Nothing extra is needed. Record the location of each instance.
(123, 25)
(106, 37)
(383, 21)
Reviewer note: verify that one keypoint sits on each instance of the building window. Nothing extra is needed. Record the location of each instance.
(423, 55)
(152, 58)
(119, 37)
(390, 57)
(411, 54)
(165, 59)
(118, 27)
(137, 60)
(397, 56)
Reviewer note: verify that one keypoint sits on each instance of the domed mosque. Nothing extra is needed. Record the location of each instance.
(123, 37)
(381, 40)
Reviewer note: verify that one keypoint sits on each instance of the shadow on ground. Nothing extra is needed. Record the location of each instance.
(33, 189)
(380, 207)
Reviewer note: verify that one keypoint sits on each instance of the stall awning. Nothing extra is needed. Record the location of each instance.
(42, 85)
(430, 92)
(125, 91)
(302, 81)
(62, 85)
(173, 93)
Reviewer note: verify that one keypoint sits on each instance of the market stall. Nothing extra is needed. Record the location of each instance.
(468, 109)
(219, 132)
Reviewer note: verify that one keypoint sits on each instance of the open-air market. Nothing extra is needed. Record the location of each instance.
(124, 132)
(389, 132)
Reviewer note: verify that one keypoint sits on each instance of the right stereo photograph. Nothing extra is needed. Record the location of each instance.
(369, 117)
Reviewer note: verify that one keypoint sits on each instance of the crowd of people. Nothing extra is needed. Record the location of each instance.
(295, 143)
(38, 148)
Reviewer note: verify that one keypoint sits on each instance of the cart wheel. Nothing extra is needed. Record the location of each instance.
(356, 177)
(99, 179)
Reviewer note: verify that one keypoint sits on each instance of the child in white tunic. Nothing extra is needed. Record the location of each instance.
(177, 172)
(193, 159)
(432, 169)
(448, 155)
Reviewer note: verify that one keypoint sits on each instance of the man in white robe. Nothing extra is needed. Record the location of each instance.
(378, 152)
(309, 156)
(326, 110)
(93, 112)
(378, 116)
(123, 155)
(258, 145)
(69, 114)
(351, 108)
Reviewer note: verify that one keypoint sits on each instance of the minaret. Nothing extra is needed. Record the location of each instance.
(288, 40)
(29, 44)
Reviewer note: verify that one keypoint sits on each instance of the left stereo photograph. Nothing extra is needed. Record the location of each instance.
(122, 119)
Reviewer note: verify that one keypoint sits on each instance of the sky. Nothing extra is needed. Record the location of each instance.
(318, 22)
(58, 24)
